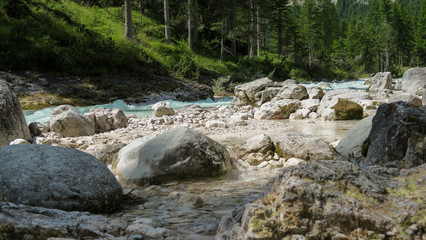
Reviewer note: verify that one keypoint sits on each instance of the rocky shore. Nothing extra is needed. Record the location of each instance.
(231, 172)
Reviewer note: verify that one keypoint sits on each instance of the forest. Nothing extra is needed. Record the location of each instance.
(303, 40)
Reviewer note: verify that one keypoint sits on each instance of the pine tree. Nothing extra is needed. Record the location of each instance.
(420, 36)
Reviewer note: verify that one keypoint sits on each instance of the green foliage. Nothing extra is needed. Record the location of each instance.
(223, 86)
(64, 38)
(299, 74)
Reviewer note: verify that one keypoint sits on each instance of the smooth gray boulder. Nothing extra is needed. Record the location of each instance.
(245, 94)
(382, 80)
(162, 109)
(414, 81)
(56, 177)
(398, 136)
(292, 91)
(12, 120)
(180, 153)
(350, 146)
(106, 120)
(303, 146)
(406, 97)
(69, 122)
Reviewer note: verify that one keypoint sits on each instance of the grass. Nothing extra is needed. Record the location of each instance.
(69, 38)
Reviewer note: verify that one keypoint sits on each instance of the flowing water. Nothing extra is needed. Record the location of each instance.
(192, 209)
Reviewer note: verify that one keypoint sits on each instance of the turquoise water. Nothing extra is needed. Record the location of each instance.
(357, 84)
(140, 110)
(144, 109)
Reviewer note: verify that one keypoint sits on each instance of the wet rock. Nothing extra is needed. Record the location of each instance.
(292, 91)
(56, 177)
(303, 146)
(191, 200)
(280, 109)
(12, 120)
(414, 81)
(406, 97)
(382, 80)
(36, 128)
(350, 146)
(180, 153)
(245, 94)
(161, 109)
(106, 120)
(69, 122)
(397, 136)
(147, 232)
(25, 222)
(255, 158)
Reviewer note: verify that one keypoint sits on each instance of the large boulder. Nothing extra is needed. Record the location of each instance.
(25, 222)
(180, 153)
(12, 120)
(382, 80)
(266, 95)
(292, 91)
(56, 177)
(342, 104)
(303, 146)
(162, 109)
(106, 120)
(69, 122)
(277, 109)
(245, 94)
(398, 136)
(333, 200)
(414, 81)
(350, 146)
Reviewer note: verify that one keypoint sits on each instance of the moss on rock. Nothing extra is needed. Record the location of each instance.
(347, 110)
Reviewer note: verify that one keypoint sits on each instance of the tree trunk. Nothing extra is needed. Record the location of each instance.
(258, 31)
(167, 21)
(128, 19)
(189, 24)
(252, 31)
(280, 30)
(221, 42)
(195, 25)
(232, 28)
